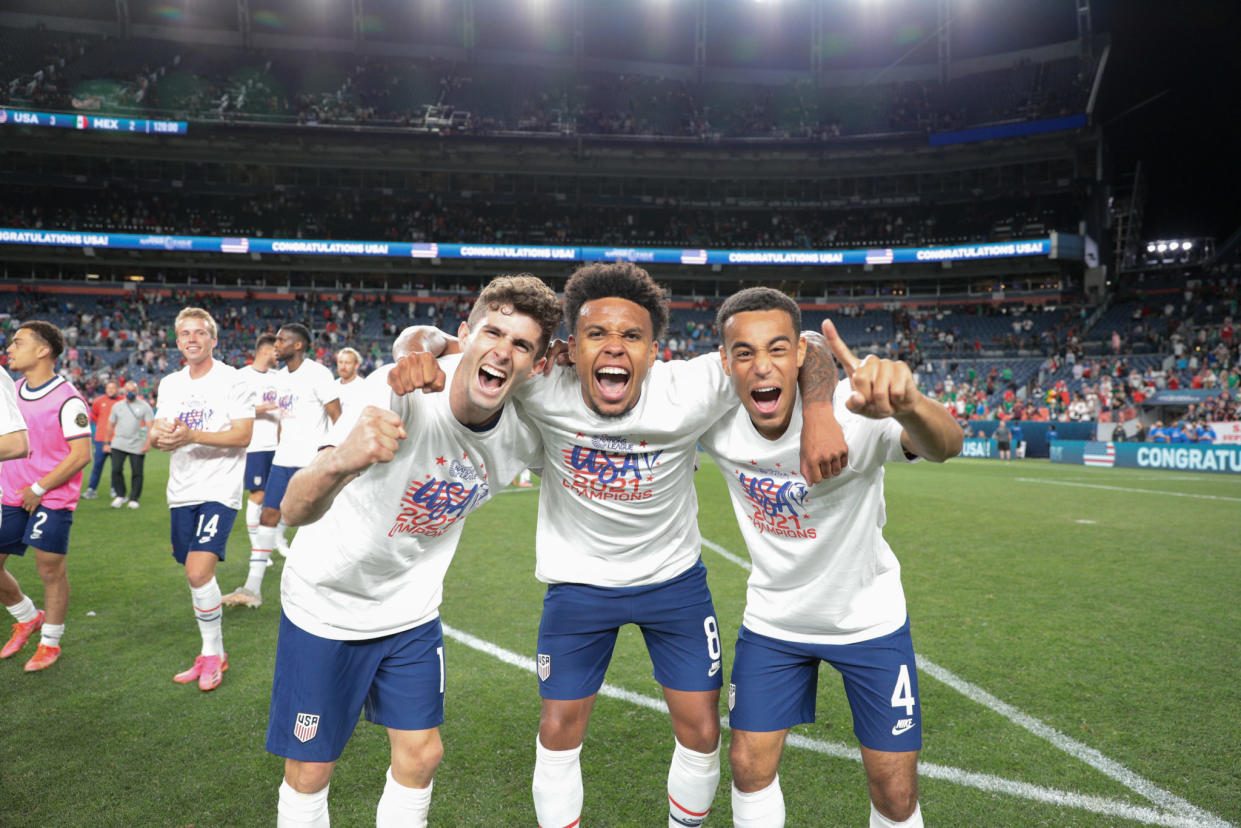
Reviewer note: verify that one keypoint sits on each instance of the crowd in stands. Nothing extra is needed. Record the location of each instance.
(125, 207)
(67, 72)
(1072, 375)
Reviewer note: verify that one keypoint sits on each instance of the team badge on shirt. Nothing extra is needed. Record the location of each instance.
(306, 726)
(779, 504)
(545, 666)
(432, 504)
(610, 468)
(80, 421)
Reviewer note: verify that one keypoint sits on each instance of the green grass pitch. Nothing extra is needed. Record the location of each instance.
(1078, 633)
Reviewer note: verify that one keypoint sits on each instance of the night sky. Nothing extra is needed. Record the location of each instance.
(1189, 140)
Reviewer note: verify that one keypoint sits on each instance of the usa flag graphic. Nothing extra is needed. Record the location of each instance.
(1099, 454)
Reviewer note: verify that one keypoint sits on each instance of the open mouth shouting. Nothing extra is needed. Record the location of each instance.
(766, 399)
(491, 379)
(612, 382)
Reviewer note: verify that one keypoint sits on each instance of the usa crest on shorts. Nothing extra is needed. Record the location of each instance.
(545, 666)
(306, 727)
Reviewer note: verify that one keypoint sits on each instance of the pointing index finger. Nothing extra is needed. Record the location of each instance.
(839, 349)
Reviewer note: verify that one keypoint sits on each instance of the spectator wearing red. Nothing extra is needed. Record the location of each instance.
(100, 412)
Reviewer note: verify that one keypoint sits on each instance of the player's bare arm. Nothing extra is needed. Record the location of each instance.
(14, 444)
(375, 438)
(76, 460)
(333, 410)
(884, 388)
(425, 338)
(824, 452)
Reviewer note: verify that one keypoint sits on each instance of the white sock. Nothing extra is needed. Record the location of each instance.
(258, 567)
(878, 820)
(253, 512)
(52, 634)
(763, 808)
(557, 786)
(693, 778)
(207, 600)
(24, 611)
(300, 810)
(401, 806)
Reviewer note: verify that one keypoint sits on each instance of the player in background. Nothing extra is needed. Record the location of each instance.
(14, 444)
(262, 376)
(349, 382)
(40, 490)
(825, 585)
(204, 417)
(100, 409)
(309, 404)
(381, 516)
(617, 539)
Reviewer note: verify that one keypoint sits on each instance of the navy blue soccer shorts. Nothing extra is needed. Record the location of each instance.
(277, 481)
(320, 685)
(578, 631)
(46, 529)
(774, 683)
(258, 467)
(203, 527)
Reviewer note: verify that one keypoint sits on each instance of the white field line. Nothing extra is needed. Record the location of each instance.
(1160, 492)
(981, 781)
(1178, 808)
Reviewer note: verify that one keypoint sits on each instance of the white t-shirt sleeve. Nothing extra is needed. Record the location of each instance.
(163, 410)
(240, 405)
(326, 388)
(74, 418)
(10, 415)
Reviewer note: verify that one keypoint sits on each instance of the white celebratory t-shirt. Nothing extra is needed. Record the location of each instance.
(304, 423)
(198, 473)
(618, 506)
(266, 392)
(823, 573)
(374, 564)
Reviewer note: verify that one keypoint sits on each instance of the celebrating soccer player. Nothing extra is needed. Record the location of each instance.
(825, 585)
(204, 417)
(309, 404)
(381, 515)
(261, 375)
(618, 538)
(40, 491)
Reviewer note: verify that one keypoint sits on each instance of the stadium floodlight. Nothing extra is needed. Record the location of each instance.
(1186, 245)
(1174, 245)
(1150, 247)
(1161, 247)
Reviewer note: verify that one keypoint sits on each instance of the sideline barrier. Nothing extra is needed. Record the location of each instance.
(1171, 457)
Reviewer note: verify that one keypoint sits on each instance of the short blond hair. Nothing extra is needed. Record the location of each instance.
(197, 313)
(351, 351)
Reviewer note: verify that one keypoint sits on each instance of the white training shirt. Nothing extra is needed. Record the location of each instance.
(351, 395)
(374, 564)
(618, 506)
(198, 473)
(304, 423)
(823, 573)
(266, 390)
(10, 415)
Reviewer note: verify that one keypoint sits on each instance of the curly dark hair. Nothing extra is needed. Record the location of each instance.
(526, 294)
(756, 299)
(47, 332)
(623, 280)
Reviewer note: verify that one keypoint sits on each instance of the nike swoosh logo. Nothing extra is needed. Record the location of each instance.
(901, 728)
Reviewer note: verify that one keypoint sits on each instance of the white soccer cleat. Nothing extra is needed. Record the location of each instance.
(133, 504)
(118, 502)
(242, 597)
